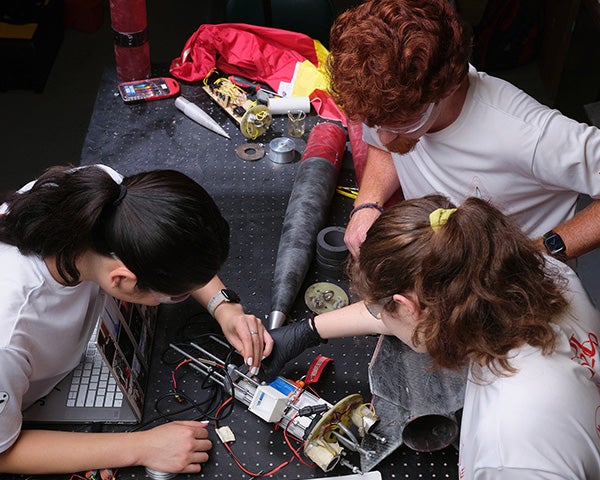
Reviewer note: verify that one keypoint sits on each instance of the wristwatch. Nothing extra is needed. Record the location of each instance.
(555, 245)
(225, 295)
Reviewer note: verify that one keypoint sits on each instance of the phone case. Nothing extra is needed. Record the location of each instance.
(148, 89)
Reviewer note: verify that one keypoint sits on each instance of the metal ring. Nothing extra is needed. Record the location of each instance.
(250, 151)
(252, 332)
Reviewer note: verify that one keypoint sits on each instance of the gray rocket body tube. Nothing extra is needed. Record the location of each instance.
(415, 403)
(305, 215)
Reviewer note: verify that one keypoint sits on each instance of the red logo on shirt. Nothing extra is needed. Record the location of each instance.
(584, 352)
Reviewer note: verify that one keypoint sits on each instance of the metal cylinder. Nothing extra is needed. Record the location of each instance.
(416, 404)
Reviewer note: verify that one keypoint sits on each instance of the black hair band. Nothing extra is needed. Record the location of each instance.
(122, 194)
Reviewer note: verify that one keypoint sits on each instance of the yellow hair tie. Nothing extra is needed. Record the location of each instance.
(439, 217)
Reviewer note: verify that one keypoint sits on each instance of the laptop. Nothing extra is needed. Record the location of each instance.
(109, 385)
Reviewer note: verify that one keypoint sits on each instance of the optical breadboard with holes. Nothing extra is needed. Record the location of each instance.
(253, 197)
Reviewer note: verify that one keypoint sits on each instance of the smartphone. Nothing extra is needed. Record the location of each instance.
(148, 89)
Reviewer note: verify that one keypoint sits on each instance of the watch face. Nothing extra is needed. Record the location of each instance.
(230, 295)
(554, 244)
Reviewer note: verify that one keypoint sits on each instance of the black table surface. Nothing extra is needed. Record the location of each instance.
(253, 196)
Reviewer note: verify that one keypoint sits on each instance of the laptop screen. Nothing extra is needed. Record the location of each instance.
(125, 340)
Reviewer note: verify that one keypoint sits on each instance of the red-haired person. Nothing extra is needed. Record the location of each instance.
(466, 286)
(435, 125)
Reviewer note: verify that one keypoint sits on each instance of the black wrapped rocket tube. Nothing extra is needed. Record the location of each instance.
(305, 215)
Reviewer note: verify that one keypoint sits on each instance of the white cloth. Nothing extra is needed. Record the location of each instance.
(44, 329)
(525, 158)
(544, 421)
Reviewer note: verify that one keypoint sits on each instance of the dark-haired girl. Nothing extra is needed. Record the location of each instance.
(150, 238)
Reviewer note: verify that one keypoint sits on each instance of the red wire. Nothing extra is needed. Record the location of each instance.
(100, 477)
(236, 460)
(296, 452)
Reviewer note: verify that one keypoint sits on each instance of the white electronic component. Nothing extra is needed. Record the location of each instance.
(324, 429)
(268, 403)
(225, 434)
(282, 105)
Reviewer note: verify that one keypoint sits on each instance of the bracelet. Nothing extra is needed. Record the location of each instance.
(366, 205)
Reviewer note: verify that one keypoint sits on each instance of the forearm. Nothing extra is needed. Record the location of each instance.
(581, 234)
(43, 452)
(178, 446)
(204, 294)
(378, 184)
(380, 180)
(349, 321)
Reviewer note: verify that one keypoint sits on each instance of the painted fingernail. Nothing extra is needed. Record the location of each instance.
(254, 371)
(249, 361)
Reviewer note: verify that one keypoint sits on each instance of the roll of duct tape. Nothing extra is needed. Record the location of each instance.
(330, 244)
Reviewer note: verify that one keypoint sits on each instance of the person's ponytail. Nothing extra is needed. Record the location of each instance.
(57, 215)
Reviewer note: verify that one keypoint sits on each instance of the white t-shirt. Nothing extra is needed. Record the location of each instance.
(544, 421)
(525, 158)
(43, 332)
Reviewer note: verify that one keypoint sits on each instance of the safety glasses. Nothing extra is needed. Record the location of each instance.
(375, 308)
(409, 128)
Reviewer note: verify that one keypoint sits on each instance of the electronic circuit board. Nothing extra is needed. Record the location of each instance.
(231, 98)
(254, 119)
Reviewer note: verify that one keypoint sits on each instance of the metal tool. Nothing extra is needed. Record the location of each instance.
(250, 85)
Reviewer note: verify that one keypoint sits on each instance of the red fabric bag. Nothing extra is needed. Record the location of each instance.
(267, 55)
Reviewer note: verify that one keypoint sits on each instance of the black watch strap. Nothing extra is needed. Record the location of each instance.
(554, 245)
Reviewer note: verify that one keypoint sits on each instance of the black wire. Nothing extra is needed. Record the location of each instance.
(217, 394)
(216, 391)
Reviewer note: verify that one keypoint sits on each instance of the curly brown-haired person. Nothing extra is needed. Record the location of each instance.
(466, 286)
(435, 125)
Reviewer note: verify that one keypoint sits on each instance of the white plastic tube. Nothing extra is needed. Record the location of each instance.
(282, 105)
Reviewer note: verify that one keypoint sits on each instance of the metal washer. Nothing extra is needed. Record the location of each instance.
(250, 151)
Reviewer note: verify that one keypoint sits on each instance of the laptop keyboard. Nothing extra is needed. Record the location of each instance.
(93, 385)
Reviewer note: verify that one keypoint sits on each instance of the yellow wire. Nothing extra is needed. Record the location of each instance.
(346, 193)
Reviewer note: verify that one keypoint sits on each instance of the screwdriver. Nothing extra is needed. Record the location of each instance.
(250, 85)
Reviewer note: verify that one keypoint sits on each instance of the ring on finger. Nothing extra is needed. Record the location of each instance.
(253, 332)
